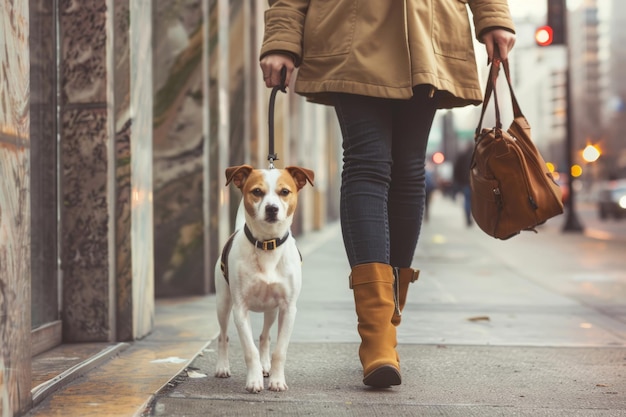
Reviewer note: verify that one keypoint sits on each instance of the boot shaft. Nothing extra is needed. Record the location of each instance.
(402, 278)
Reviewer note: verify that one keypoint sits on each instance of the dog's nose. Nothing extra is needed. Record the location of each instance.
(271, 211)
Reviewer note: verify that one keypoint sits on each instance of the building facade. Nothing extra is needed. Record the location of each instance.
(613, 17)
(117, 121)
(599, 83)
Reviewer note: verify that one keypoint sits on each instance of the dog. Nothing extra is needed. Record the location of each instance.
(260, 271)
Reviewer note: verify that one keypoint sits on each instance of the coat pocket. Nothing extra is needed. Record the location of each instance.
(329, 28)
(452, 33)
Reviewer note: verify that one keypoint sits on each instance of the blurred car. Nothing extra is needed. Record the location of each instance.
(611, 200)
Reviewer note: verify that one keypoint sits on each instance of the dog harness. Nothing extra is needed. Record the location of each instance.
(224, 257)
(264, 244)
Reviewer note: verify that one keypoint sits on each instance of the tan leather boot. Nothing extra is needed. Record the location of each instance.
(372, 284)
(403, 277)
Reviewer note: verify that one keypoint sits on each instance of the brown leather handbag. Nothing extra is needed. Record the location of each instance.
(512, 188)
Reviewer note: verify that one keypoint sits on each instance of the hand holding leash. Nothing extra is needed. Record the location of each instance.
(271, 67)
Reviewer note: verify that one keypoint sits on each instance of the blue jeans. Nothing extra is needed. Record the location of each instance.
(383, 177)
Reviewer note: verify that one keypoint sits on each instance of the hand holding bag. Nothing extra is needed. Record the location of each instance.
(512, 187)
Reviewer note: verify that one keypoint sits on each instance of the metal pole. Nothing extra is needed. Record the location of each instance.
(572, 224)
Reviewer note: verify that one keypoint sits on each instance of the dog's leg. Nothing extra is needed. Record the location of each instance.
(254, 380)
(224, 305)
(286, 319)
(264, 341)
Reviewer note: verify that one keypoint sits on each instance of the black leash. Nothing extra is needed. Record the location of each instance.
(272, 156)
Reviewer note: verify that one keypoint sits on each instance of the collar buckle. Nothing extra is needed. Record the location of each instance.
(268, 244)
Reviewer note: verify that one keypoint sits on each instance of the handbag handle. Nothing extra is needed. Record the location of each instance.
(491, 88)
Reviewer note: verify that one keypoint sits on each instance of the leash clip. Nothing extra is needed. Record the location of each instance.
(271, 158)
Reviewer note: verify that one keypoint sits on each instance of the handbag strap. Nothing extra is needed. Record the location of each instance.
(491, 88)
(517, 111)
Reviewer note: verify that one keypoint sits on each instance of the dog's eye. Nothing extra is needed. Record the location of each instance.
(257, 192)
(285, 192)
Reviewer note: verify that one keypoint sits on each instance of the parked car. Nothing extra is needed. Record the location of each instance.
(612, 200)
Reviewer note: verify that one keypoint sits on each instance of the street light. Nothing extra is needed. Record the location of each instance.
(572, 224)
(555, 33)
(591, 153)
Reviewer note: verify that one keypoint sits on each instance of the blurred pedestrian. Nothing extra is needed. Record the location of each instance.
(462, 181)
(386, 67)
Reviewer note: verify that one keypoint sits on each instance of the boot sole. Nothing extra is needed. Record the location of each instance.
(383, 377)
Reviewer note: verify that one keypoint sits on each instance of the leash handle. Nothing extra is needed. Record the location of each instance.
(272, 156)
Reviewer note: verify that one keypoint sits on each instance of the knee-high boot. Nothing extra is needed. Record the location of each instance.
(403, 277)
(373, 286)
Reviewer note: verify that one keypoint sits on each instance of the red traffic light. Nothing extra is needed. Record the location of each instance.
(544, 36)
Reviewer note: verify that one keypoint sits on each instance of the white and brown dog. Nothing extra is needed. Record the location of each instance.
(260, 271)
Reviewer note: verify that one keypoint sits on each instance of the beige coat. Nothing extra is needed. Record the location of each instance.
(383, 48)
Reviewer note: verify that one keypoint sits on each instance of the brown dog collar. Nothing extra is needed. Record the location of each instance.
(270, 244)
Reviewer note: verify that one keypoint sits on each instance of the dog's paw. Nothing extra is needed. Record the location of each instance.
(278, 385)
(254, 385)
(222, 371)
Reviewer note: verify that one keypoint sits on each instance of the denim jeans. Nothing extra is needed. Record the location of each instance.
(383, 177)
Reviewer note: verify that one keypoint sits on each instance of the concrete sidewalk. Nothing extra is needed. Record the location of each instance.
(532, 326)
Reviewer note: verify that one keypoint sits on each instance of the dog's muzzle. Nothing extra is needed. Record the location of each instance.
(271, 213)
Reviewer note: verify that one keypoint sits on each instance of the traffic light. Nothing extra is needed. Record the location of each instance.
(544, 36)
(557, 10)
(555, 32)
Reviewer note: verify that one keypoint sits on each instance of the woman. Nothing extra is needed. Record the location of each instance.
(386, 67)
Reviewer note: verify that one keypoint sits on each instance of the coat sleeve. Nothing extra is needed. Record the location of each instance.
(284, 28)
(488, 14)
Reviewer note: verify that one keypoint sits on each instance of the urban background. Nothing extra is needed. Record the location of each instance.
(118, 118)
(591, 42)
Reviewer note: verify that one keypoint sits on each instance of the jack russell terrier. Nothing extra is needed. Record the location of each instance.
(260, 271)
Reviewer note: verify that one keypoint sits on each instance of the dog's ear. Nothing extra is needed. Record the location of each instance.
(238, 174)
(301, 176)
